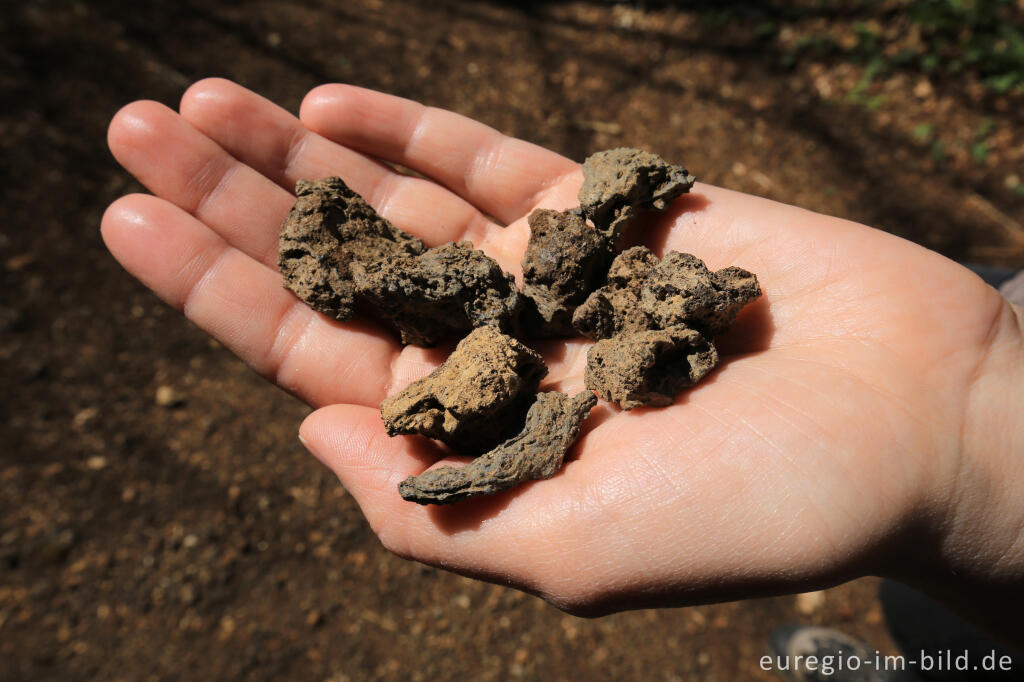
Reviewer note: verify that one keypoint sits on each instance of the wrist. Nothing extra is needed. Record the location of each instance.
(976, 519)
(986, 505)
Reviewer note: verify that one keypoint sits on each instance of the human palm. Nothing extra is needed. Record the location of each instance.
(832, 420)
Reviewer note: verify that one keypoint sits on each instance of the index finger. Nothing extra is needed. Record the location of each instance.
(502, 176)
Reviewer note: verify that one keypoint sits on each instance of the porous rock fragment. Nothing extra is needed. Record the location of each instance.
(616, 306)
(619, 183)
(642, 293)
(329, 228)
(682, 290)
(565, 260)
(648, 367)
(552, 425)
(441, 293)
(473, 401)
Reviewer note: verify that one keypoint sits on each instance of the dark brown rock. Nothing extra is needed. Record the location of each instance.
(642, 293)
(565, 260)
(567, 257)
(537, 452)
(681, 290)
(616, 307)
(439, 294)
(619, 183)
(648, 367)
(337, 254)
(473, 401)
(328, 229)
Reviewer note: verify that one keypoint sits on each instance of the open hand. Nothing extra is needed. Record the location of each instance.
(830, 443)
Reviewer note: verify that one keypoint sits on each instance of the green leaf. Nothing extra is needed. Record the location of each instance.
(922, 131)
(985, 128)
(979, 150)
(1003, 82)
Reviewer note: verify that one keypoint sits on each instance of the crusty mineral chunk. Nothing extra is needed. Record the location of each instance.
(642, 293)
(552, 425)
(616, 307)
(681, 290)
(473, 401)
(618, 183)
(565, 260)
(328, 229)
(648, 367)
(439, 294)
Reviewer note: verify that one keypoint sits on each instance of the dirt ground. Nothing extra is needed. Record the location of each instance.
(194, 538)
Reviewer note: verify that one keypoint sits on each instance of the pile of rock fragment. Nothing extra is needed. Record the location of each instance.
(653, 320)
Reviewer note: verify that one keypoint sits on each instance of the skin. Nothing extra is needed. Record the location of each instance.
(865, 419)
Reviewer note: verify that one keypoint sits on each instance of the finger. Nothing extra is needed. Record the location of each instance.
(269, 139)
(242, 304)
(185, 167)
(502, 176)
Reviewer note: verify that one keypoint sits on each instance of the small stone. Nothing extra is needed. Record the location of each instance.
(682, 290)
(648, 367)
(477, 398)
(616, 307)
(96, 463)
(188, 595)
(537, 452)
(53, 469)
(16, 263)
(226, 627)
(166, 396)
(336, 254)
(809, 602)
(329, 228)
(83, 417)
(643, 293)
(438, 295)
(565, 260)
(619, 183)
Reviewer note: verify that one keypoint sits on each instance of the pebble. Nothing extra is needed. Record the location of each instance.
(809, 602)
(166, 396)
(83, 417)
(96, 463)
